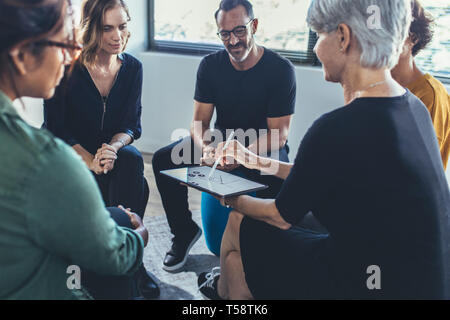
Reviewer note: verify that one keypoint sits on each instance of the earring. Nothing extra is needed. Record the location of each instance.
(15, 52)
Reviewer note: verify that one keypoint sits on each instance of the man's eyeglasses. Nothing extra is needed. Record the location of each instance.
(70, 51)
(239, 32)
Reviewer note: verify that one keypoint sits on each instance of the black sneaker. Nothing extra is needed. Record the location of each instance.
(177, 255)
(207, 284)
(146, 284)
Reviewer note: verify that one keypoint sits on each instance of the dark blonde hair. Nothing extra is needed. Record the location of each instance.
(421, 31)
(91, 26)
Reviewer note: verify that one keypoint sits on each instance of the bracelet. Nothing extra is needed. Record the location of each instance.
(121, 141)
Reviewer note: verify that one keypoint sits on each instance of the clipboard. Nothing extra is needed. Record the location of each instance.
(221, 184)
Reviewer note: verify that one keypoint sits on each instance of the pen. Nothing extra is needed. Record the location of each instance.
(218, 159)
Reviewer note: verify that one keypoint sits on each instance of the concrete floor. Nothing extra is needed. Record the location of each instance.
(154, 206)
(181, 285)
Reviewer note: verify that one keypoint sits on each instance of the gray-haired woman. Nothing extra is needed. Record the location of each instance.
(370, 172)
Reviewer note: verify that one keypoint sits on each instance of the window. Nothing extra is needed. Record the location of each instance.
(190, 26)
(436, 57)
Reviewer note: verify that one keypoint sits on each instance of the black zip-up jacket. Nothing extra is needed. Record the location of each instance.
(78, 113)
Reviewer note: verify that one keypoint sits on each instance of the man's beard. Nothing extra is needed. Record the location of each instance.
(245, 50)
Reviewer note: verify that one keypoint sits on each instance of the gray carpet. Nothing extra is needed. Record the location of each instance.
(182, 285)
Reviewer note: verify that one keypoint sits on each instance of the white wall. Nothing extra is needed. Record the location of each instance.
(138, 26)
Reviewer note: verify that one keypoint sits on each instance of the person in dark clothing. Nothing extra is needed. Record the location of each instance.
(97, 108)
(370, 172)
(97, 111)
(253, 90)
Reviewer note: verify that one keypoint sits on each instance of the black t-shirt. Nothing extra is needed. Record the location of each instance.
(245, 99)
(372, 174)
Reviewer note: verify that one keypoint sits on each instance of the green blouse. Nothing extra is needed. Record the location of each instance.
(52, 216)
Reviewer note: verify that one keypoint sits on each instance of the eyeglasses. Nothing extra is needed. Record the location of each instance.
(70, 51)
(239, 32)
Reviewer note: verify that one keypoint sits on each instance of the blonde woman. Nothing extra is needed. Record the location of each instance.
(97, 109)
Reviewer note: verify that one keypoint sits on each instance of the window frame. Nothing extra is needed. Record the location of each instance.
(202, 49)
(307, 58)
(444, 80)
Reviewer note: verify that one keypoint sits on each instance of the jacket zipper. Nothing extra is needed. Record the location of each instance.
(101, 97)
(104, 111)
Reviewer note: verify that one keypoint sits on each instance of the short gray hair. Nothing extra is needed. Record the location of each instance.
(380, 46)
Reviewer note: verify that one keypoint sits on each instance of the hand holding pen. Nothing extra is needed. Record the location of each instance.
(230, 137)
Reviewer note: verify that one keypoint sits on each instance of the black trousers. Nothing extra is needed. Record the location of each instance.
(126, 185)
(103, 287)
(175, 196)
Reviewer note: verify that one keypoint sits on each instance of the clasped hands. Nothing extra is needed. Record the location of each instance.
(104, 159)
(136, 222)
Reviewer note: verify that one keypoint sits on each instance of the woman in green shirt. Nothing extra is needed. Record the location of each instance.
(56, 236)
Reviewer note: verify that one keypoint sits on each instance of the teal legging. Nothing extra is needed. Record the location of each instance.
(214, 220)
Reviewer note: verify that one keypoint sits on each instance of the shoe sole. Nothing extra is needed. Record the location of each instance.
(180, 265)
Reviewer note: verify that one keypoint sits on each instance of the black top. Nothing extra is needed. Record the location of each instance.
(372, 174)
(245, 99)
(78, 114)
